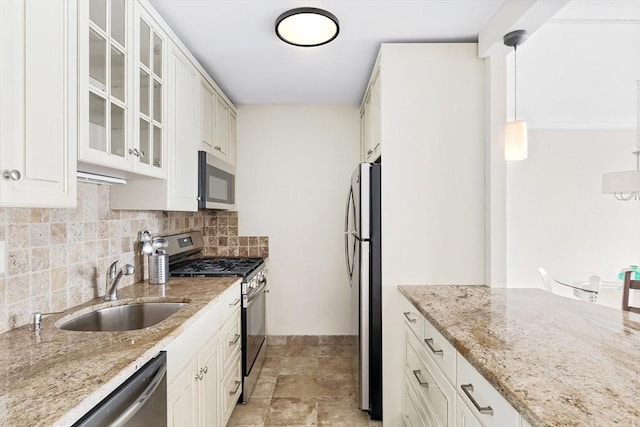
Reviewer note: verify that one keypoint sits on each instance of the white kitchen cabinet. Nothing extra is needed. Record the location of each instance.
(182, 397)
(221, 129)
(440, 387)
(204, 370)
(180, 190)
(122, 90)
(150, 87)
(370, 114)
(464, 416)
(207, 97)
(233, 137)
(106, 90)
(484, 402)
(38, 103)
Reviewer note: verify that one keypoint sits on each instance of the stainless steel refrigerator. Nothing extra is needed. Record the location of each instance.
(363, 258)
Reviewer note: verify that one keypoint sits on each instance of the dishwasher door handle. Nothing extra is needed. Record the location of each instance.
(128, 413)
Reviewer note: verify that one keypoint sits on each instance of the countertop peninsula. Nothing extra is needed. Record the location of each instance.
(557, 361)
(55, 376)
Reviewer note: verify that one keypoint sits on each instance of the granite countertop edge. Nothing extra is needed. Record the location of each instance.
(531, 398)
(133, 350)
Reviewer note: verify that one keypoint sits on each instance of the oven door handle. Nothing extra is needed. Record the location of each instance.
(254, 294)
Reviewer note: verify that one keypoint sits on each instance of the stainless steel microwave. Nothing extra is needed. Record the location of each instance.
(216, 183)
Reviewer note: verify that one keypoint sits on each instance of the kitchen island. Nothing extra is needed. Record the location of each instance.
(557, 361)
(53, 377)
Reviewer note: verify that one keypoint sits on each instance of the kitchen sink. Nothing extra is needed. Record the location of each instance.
(123, 317)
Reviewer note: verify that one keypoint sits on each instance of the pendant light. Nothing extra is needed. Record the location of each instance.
(307, 27)
(515, 131)
(625, 185)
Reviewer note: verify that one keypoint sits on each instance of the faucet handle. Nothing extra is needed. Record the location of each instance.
(129, 269)
(113, 270)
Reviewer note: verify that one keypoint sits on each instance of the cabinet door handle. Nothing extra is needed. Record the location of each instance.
(369, 152)
(13, 175)
(406, 314)
(134, 151)
(429, 343)
(235, 390)
(416, 374)
(235, 302)
(205, 369)
(200, 376)
(234, 340)
(377, 145)
(217, 148)
(468, 389)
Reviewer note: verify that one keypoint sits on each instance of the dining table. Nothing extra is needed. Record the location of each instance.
(595, 287)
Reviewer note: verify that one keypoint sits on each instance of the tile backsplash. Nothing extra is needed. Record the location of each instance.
(57, 258)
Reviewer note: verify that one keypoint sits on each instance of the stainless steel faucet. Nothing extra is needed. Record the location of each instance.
(113, 279)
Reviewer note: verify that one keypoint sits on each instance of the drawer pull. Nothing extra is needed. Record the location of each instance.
(467, 389)
(234, 340)
(406, 314)
(235, 302)
(429, 343)
(416, 374)
(235, 390)
(205, 369)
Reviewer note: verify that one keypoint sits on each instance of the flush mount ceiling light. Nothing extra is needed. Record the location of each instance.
(625, 185)
(515, 131)
(307, 27)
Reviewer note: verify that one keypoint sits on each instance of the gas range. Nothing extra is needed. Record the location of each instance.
(186, 260)
(216, 267)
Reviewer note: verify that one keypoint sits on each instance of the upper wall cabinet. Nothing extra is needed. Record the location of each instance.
(371, 135)
(122, 89)
(38, 103)
(218, 124)
(179, 191)
(150, 74)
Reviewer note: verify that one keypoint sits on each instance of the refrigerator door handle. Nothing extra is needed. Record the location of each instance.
(347, 233)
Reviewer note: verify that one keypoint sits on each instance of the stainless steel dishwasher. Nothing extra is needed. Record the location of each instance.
(140, 401)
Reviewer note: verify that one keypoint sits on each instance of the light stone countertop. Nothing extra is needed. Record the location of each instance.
(55, 377)
(558, 361)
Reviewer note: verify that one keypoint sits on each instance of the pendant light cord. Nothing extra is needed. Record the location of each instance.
(515, 82)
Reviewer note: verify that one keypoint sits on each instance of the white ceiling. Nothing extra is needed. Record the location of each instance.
(235, 42)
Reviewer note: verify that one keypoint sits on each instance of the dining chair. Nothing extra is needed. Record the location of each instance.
(546, 280)
(628, 285)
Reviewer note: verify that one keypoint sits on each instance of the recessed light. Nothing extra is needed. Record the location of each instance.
(307, 27)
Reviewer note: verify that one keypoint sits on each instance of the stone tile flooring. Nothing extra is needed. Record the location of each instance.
(305, 382)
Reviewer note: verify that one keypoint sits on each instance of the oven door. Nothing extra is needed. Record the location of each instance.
(216, 183)
(254, 307)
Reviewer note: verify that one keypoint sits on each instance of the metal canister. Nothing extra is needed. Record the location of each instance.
(158, 269)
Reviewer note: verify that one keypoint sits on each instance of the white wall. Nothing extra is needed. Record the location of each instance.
(432, 98)
(294, 169)
(579, 74)
(577, 89)
(557, 216)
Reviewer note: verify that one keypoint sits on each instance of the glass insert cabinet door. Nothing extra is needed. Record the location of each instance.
(150, 79)
(108, 95)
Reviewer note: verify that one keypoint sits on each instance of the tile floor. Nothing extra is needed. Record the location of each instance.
(305, 381)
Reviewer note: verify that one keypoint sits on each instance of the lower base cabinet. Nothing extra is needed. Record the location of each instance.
(440, 388)
(204, 377)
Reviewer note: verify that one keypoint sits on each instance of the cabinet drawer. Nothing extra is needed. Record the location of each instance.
(430, 385)
(231, 388)
(487, 404)
(230, 302)
(464, 416)
(231, 339)
(440, 351)
(412, 318)
(413, 412)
